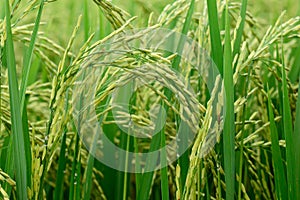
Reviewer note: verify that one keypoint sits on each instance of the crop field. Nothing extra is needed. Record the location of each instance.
(136, 99)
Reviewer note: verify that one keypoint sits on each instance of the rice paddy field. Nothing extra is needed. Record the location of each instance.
(174, 99)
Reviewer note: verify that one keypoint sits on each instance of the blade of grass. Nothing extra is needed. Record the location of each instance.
(288, 132)
(25, 74)
(280, 93)
(243, 135)
(229, 129)
(16, 118)
(185, 29)
(28, 57)
(3, 151)
(215, 37)
(9, 165)
(27, 143)
(279, 173)
(297, 143)
(239, 34)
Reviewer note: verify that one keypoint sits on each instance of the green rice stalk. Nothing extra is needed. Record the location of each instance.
(241, 159)
(297, 143)
(16, 117)
(229, 127)
(215, 37)
(27, 143)
(28, 57)
(185, 29)
(289, 138)
(9, 166)
(279, 173)
(240, 30)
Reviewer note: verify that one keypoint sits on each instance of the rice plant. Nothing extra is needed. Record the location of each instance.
(149, 99)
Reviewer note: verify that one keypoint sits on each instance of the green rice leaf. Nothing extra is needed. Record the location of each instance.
(16, 117)
(229, 128)
(28, 56)
(215, 37)
(289, 138)
(239, 34)
(279, 176)
(297, 143)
